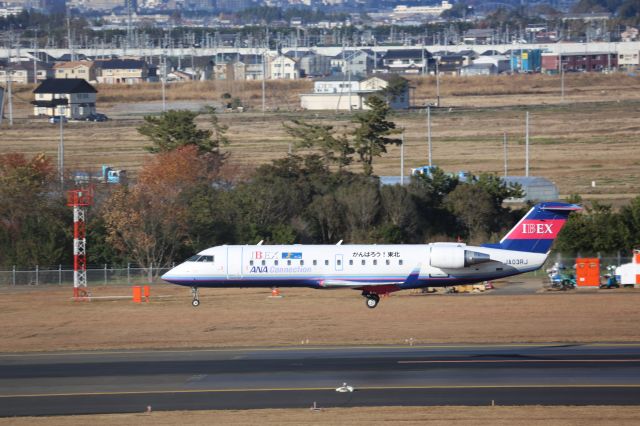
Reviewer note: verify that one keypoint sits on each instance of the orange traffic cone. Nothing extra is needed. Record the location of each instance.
(275, 293)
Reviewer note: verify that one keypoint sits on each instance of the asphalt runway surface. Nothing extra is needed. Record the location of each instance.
(130, 381)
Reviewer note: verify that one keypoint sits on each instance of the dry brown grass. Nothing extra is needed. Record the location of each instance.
(590, 137)
(432, 416)
(47, 319)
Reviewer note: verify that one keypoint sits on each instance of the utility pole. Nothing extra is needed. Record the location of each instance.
(437, 84)
(402, 159)
(506, 169)
(9, 75)
(561, 78)
(164, 81)
(61, 116)
(526, 146)
(35, 58)
(429, 133)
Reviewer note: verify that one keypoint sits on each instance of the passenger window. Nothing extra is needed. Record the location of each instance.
(315, 262)
(375, 261)
(364, 262)
(351, 262)
(289, 262)
(264, 262)
(400, 262)
(251, 263)
(275, 262)
(326, 262)
(388, 262)
(302, 263)
(339, 262)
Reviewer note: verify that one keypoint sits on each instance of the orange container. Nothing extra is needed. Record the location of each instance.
(147, 292)
(588, 272)
(137, 294)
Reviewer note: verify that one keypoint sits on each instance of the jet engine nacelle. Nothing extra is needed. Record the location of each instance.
(453, 257)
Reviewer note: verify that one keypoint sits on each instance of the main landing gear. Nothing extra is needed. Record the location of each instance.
(196, 298)
(372, 300)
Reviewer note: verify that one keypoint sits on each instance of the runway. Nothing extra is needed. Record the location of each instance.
(129, 381)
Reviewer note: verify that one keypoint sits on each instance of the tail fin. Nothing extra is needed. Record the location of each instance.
(537, 230)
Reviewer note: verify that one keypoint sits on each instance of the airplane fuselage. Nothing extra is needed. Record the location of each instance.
(346, 266)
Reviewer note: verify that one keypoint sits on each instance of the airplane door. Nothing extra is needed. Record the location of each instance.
(234, 261)
(338, 264)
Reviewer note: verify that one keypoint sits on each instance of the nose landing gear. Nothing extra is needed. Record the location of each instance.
(196, 298)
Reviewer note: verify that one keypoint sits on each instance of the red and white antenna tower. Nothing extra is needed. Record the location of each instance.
(79, 199)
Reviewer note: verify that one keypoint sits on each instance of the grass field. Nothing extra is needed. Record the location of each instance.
(410, 416)
(45, 319)
(591, 136)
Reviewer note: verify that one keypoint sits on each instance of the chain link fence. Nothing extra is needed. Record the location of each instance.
(63, 276)
(133, 274)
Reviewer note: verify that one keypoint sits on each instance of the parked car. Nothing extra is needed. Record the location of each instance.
(96, 116)
(56, 119)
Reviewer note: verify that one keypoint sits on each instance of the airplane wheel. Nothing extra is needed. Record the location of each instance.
(195, 302)
(372, 301)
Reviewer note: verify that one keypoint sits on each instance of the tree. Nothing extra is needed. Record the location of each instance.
(473, 207)
(219, 131)
(396, 87)
(371, 135)
(335, 149)
(34, 221)
(177, 128)
(148, 222)
(361, 203)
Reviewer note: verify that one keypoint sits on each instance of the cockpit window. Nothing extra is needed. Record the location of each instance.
(193, 258)
(205, 259)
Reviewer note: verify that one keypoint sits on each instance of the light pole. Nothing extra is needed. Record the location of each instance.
(429, 132)
(526, 146)
(61, 110)
(561, 78)
(402, 159)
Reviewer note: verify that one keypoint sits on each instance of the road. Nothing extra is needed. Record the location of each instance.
(129, 381)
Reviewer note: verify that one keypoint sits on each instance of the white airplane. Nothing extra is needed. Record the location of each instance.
(376, 269)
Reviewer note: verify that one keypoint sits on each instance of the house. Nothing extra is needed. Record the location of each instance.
(629, 34)
(73, 98)
(345, 92)
(115, 71)
(501, 62)
(69, 57)
(75, 69)
(284, 68)
(253, 67)
(628, 58)
(356, 62)
(450, 64)
(314, 65)
(478, 36)
(579, 62)
(407, 61)
(17, 72)
(479, 69)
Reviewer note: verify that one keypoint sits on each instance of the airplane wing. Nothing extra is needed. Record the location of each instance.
(333, 283)
(355, 284)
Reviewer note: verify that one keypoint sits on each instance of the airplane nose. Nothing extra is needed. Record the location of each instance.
(167, 276)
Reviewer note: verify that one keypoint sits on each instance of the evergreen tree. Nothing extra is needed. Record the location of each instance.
(335, 149)
(177, 128)
(371, 137)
